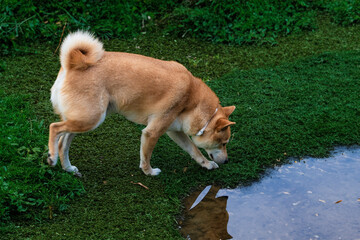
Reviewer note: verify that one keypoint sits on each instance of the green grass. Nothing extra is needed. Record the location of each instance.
(299, 97)
(28, 188)
(222, 21)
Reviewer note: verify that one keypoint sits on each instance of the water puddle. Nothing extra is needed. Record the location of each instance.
(307, 199)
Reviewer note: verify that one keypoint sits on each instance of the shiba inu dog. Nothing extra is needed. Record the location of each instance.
(162, 95)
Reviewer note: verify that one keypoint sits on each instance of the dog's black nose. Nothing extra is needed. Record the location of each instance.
(226, 161)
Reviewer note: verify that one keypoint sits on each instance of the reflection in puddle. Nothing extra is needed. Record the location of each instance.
(308, 199)
(208, 213)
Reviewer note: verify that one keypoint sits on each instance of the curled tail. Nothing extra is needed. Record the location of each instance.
(80, 50)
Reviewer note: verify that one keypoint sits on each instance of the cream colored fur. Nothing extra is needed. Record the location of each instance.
(162, 95)
(83, 41)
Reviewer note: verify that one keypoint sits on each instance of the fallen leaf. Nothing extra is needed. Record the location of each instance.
(316, 214)
(287, 193)
(358, 200)
(185, 169)
(338, 202)
(105, 182)
(323, 201)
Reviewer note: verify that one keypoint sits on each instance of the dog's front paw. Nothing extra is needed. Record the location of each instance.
(211, 165)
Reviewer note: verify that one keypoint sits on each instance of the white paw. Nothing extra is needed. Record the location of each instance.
(77, 174)
(155, 172)
(74, 170)
(51, 161)
(212, 165)
(71, 169)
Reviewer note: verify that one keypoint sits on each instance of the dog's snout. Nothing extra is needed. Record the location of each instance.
(218, 156)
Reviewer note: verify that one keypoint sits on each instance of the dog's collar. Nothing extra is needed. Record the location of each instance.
(201, 132)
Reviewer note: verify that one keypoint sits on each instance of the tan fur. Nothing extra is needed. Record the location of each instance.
(162, 95)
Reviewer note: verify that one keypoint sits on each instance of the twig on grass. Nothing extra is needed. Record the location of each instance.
(139, 183)
(62, 34)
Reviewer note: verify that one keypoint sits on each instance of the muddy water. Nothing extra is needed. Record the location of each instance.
(307, 199)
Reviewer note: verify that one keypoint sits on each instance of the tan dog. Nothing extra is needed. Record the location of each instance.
(162, 95)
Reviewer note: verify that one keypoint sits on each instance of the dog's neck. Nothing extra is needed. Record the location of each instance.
(201, 132)
(199, 119)
(202, 110)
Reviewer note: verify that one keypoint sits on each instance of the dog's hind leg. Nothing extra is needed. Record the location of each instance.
(148, 141)
(57, 129)
(188, 146)
(64, 145)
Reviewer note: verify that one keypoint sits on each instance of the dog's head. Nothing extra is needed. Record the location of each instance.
(216, 135)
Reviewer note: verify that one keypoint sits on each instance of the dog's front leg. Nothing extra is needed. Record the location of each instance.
(149, 138)
(188, 146)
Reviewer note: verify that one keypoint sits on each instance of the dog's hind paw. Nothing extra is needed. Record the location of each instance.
(155, 172)
(77, 174)
(50, 161)
(74, 170)
(151, 171)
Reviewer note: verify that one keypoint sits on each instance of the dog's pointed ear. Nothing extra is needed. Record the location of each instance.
(228, 110)
(222, 124)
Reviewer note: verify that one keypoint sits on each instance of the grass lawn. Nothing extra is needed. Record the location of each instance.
(300, 97)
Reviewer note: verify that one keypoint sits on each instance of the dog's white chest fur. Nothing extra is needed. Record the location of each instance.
(56, 94)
